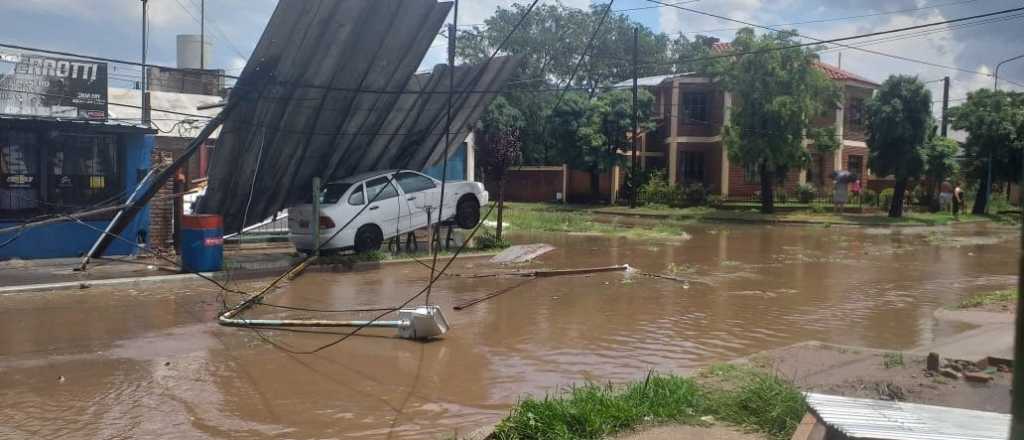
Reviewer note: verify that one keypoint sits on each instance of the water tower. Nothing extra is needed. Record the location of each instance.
(191, 51)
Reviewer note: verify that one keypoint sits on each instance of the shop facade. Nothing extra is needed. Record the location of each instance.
(59, 154)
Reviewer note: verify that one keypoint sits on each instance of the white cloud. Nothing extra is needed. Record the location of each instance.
(162, 13)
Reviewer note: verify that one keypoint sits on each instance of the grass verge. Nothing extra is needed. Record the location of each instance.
(752, 215)
(982, 299)
(528, 217)
(742, 396)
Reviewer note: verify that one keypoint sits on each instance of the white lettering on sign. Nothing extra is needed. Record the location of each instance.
(60, 69)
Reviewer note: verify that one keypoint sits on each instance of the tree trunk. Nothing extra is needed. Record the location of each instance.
(595, 185)
(501, 207)
(898, 195)
(767, 190)
(980, 199)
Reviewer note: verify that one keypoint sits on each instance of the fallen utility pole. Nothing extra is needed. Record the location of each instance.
(117, 217)
(539, 274)
(423, 322)
(132, 209)
(63, 218)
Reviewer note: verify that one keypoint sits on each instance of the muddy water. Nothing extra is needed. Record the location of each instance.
(148, 363)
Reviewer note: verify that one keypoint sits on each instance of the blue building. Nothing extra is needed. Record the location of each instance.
(53, 166)
(461, 162)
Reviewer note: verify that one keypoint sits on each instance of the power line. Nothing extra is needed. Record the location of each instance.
(697, 59)
(641, 8)
(835, 41)
(849, 17)
(223, 35)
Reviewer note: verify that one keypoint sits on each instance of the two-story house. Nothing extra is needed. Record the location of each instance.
(691, 111)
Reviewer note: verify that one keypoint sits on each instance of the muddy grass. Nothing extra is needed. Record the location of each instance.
(1004, 301)
(883, 375)
(537, 217)
(752, 215)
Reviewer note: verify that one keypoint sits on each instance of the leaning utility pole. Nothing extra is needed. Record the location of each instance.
(636, 120)
(945, 105)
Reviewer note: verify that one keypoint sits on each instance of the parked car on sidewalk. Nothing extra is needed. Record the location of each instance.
(383, 204)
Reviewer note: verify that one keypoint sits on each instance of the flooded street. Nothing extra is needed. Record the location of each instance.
(151, 362)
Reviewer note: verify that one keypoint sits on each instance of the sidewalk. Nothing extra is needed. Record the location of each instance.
(256, 261)
(992, 338)
(251, 261)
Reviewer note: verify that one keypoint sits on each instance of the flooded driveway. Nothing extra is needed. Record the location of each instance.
(149, 363)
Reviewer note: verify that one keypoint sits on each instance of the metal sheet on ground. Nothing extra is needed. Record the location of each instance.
(884, 420)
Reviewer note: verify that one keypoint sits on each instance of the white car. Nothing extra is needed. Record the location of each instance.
(383, 204)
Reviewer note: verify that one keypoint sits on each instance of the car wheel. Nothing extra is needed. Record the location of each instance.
(467, 213)
(368, 239)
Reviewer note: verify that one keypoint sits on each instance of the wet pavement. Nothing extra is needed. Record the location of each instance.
(150, 363)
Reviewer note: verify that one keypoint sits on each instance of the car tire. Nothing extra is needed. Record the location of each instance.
(467, 212)
(368, 239)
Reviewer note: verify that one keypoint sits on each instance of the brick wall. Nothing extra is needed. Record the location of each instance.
(529, 185)
(579, 186)
(161, 208)
(739, 187)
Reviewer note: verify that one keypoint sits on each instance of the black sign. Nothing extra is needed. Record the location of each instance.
(52, 87)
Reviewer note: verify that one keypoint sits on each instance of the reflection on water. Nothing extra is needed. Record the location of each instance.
(150, 363)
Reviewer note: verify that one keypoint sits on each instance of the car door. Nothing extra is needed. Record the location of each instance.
(423, 194)
(386, 207)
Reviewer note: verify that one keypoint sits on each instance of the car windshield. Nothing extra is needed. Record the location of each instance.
(333, 192)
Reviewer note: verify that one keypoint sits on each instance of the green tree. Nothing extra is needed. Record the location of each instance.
(777, 92)
(993, 121)
(551, 40)
(940, 162)
(499, 147)
(899, 120)
(683, 50)
(590, 133)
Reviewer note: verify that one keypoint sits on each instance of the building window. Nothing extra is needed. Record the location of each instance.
(855, 164)
(855, 111)
(695, 107)
(692, 166)
(751, 174)
(19, 173)
(83, 170)
(44, 173)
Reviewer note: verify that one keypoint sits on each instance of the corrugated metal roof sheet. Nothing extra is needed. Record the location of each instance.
(649, 81)
(329, 91)
(884, 420)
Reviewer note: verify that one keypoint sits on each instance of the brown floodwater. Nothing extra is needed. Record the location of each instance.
(150, 363)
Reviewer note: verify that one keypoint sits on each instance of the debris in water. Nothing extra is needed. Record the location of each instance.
(522, 253)
(61, 379)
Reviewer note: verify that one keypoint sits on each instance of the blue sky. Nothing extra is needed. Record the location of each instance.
(112, 28)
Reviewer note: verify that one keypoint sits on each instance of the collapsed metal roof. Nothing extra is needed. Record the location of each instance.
(329, 91)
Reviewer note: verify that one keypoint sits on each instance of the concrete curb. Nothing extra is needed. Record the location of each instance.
(247, 271)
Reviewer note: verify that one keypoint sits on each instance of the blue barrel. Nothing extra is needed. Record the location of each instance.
(202, 243)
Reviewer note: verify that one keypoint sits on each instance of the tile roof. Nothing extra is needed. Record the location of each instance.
(833, 72)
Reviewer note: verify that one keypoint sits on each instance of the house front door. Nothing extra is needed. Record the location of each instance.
(691, 167)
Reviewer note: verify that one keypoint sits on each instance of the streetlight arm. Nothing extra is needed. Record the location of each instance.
(996, 75)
